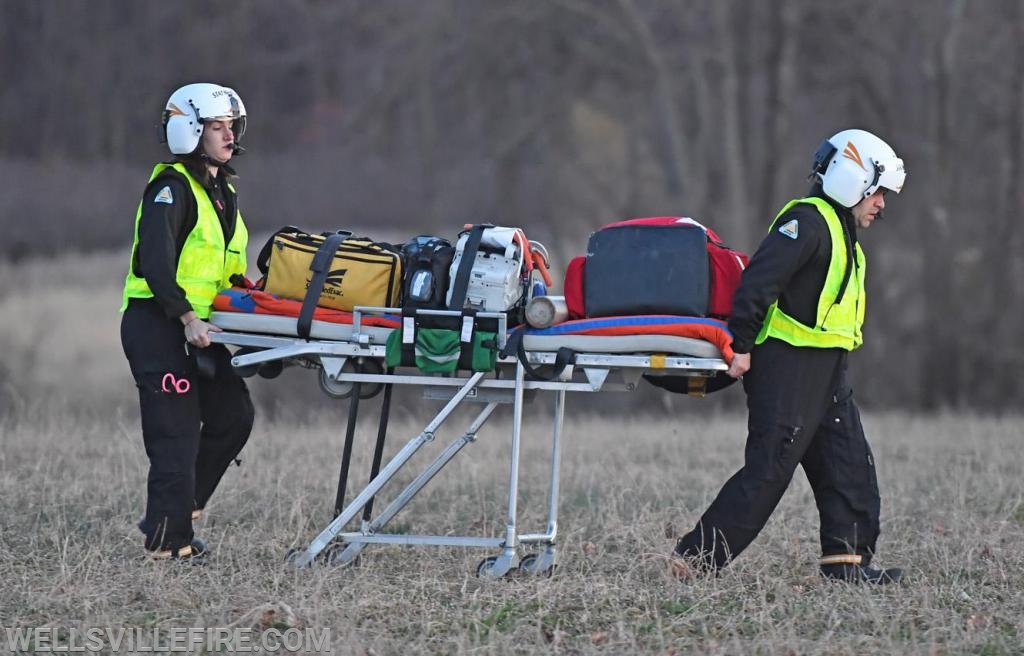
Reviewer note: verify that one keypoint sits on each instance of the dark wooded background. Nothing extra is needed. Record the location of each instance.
(408, 117)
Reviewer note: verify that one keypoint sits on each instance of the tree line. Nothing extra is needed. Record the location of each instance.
(560, 116)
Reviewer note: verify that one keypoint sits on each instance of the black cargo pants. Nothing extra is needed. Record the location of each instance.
(191, 436)
(801, 413)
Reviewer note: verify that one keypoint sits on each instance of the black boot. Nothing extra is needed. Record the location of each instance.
(194, 553)
(851, 573)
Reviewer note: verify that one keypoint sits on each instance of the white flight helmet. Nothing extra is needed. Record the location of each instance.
(191, 105)
(853, 164)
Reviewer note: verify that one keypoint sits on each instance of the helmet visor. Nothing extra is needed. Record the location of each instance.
(238, 117)
(238, 128)
(889, 174)
(220, 109)
(235, 116)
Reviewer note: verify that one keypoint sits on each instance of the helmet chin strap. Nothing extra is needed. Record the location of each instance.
(211, 161)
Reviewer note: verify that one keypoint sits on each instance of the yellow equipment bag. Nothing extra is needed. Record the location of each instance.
(360, 272)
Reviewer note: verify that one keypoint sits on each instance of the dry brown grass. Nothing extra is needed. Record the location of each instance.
(72, 482)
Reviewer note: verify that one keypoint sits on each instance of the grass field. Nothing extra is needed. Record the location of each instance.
(72, 477)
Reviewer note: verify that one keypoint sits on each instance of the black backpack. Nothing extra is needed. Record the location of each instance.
(426, 261)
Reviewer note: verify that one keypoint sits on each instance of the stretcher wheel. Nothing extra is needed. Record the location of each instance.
(529, 564)
(483, 570)
(270, 370)
(292, 555)
(334, 552)
(336, 389)
(370, 390)
(249, 370)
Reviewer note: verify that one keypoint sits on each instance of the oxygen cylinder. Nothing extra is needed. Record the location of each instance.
(544, 311)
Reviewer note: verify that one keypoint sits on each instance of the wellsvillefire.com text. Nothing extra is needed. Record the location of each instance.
(187, 640)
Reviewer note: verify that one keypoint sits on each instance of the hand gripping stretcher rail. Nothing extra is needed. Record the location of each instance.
(608, 355)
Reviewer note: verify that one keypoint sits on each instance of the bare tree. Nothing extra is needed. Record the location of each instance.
(943, 365)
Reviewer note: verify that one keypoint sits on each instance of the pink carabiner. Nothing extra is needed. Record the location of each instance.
(179, 385)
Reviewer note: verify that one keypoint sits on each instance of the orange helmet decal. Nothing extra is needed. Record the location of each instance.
(851, 153)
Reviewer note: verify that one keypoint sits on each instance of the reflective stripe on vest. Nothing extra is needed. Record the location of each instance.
(836, 325)
(205, 266)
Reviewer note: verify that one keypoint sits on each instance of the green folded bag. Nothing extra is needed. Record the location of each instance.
(484, 357)
(438, 350)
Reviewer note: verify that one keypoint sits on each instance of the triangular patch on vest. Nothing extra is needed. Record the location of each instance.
(791, 229)
(164, 196)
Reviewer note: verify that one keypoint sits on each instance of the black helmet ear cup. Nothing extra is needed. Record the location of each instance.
(822, 157)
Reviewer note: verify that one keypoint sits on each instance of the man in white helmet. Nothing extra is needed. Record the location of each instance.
(796, 316)
(189, 243)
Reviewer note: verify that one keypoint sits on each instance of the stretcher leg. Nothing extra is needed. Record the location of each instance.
(556, 463)
(320, 542)
(378, 449)
(509, 558)
(356, 543)
(346, 454)
(545, 561)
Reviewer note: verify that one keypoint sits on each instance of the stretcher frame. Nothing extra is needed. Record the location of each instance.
(589, 373)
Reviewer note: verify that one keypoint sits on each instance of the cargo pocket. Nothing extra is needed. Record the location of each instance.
(853, 463)
(176, 381)
(170, 424)
(773, 452)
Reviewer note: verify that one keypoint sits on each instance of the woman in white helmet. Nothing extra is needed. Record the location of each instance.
(796, 316)
(189, 243)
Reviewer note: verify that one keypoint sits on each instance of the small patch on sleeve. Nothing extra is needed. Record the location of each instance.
(164, 196)
(791, 229)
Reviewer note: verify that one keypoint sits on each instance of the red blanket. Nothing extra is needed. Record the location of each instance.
(253, 301)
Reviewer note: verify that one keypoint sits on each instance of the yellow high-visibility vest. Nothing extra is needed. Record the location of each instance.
(205, 265)
(837, 325)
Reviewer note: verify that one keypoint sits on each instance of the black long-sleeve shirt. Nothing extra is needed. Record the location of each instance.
(790, 270)
(169, 214)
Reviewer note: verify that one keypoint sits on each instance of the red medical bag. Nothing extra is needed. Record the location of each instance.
(658, 265)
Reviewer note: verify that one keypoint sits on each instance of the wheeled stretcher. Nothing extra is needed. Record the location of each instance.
(348, 351)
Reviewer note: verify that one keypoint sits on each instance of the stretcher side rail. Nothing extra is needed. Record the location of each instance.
(284, 348)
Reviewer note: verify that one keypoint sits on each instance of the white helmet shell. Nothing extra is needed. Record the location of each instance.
(191, 105)
(853, 164)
